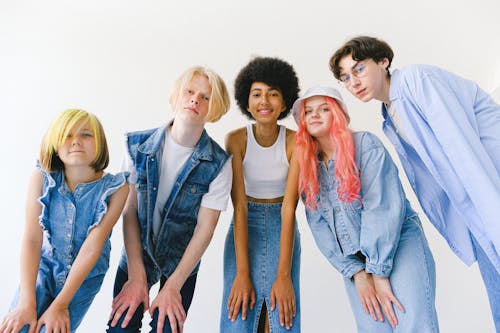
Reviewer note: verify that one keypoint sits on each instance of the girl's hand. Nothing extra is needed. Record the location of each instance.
(386, 299)
(18, 318)
(283, 294)
(169, 304)
(242, 297)
(366, 291)
(55, 319)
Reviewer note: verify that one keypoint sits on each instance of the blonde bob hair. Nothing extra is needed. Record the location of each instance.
(60, 129)
(219, 98)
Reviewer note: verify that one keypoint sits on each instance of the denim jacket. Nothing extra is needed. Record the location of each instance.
(162, 254)
(361, 234)
(67, 218)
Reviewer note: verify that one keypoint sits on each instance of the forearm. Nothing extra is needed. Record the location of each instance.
(241, 242)
(80, 269)
(133, 247)
(286, 239)
(30, 261)
(198, 244)
(132, 237)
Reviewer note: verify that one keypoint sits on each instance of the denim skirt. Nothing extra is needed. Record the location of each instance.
(264, 231)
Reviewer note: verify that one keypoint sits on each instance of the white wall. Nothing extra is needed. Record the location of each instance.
(119, 58)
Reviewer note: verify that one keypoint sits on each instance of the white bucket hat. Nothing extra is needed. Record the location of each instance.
(318, 91)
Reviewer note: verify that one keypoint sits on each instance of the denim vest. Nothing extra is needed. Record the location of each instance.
(162, 254)
(67, 218)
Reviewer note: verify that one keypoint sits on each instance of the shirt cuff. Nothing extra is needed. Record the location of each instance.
(378, 269)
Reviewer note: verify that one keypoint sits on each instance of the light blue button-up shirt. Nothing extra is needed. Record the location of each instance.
(453, 159)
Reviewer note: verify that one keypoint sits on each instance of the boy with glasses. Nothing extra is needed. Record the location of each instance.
(446, 131)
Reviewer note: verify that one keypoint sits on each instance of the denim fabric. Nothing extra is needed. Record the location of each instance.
(66, 220)
(381, 234)
(264, 231)
(453, 163)
(413, 282)
(491, 280)
(135, 323)
(162, 255)
(46, 291)
(371, 227)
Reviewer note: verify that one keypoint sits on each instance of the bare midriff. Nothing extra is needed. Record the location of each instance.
(273, 200)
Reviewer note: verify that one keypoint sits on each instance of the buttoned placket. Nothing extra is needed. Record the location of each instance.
(337, 212)
(68, 230)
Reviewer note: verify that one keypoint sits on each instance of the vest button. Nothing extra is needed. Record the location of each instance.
(193, 189)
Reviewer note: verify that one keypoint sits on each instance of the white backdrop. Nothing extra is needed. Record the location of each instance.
(119, 58)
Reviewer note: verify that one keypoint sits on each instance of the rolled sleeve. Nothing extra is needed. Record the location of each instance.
(383, 209)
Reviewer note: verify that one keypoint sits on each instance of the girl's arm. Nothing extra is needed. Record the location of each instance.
(282, 291)
(242, 294)
(382, 217)
(56, 317)
(135, 291)
(25, 311)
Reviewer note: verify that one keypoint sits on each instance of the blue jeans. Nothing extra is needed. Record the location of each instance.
(413, 281)
(135, 324)
(491, 280)
(264, 231)
(46, 292)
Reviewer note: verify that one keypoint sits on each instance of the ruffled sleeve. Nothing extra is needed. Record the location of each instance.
(113, 183)
(48, 184)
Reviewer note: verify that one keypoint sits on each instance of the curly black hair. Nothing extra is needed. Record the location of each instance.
(274, 72)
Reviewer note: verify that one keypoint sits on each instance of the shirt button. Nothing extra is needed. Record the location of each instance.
(193, 189)
(68, 267)
(337, 209)
(154, 188)
(152, 159)
(68, 235)
(70, 221)
(346, 237)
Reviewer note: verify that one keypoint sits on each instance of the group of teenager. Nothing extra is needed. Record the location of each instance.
(176, 179)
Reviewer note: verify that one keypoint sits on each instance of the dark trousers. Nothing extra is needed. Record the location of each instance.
(134, 325)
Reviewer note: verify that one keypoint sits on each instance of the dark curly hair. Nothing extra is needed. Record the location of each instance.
(361, 48)
(272, 71)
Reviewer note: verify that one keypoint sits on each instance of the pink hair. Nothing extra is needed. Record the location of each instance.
(346, 171)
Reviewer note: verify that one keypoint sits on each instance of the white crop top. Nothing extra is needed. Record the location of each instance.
(265, 169)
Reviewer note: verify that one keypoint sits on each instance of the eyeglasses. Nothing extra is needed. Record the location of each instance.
(358, 71)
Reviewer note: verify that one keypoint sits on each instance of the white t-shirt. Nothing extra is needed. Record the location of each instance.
(398, 123)
(171, 164)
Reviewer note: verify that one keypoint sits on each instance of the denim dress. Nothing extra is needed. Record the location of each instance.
(66, 220)
(381, 234)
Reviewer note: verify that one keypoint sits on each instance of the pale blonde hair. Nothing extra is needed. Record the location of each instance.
(219, 98)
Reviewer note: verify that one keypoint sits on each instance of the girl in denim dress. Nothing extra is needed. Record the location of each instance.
(262, 249)
(361, 220)
(72, 206)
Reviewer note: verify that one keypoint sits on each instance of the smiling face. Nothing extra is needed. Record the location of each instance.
(318, 116)
(265, 103)
(194, 101)
(78, 149)
(367, 79)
